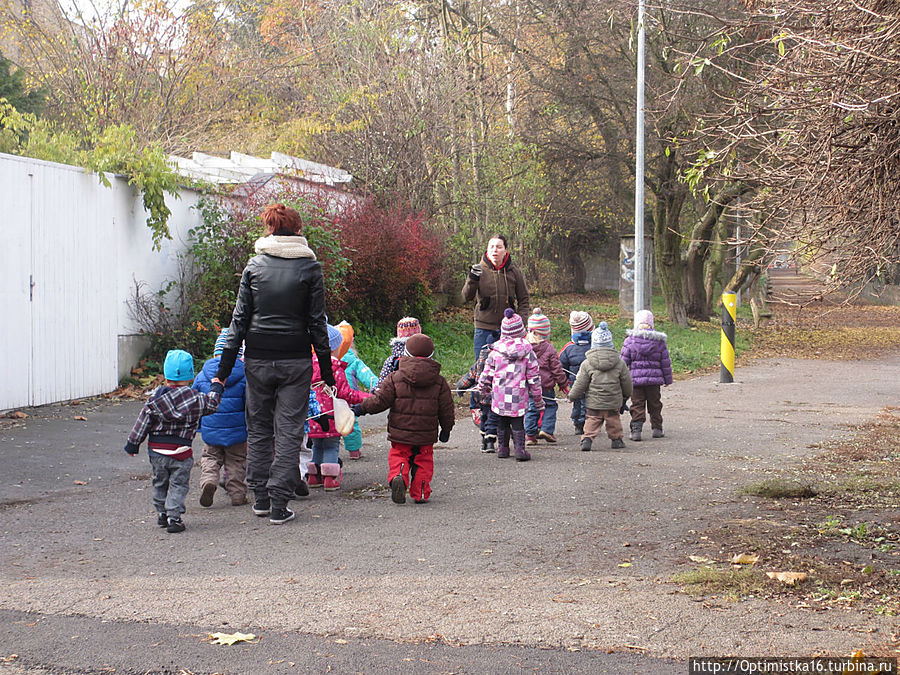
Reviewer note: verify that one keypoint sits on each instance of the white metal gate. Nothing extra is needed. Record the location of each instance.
(58, 339)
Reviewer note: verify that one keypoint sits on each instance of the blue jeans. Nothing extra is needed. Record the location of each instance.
(170, 483)
(579, 412)
(325, 450)
(533, 419)
(483, 337)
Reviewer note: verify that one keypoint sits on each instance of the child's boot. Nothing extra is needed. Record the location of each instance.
(636, 430)
(483, 442)
(332, 475)
(502, 443)
(519, 445)
(313, 476)
(491, 439)
(617, 444)
(206, 494)
(658, 433)
(529, 440)
(586, 444)
(355, 454)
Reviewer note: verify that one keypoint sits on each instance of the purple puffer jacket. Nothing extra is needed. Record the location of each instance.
(510, 375)
(647, 356)
(548, 361)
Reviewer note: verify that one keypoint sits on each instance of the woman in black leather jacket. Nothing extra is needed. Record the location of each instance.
(280, 317)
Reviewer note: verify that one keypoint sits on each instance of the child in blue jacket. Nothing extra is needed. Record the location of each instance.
(572, 356)
(224, 432)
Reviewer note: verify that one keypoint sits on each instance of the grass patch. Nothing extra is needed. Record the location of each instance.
(731, 583)
(778, 488)
(691, 348)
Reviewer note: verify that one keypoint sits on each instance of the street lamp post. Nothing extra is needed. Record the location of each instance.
(639, 170)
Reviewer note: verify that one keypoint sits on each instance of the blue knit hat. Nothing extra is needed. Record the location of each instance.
(179, 366)
(602, 337)
(335, 337)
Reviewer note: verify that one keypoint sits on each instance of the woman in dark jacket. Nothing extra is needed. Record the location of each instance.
(280, 317)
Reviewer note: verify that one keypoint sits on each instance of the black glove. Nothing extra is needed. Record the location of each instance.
(624, 407)
(475, 272)
(444, 436)
(131, 448)
(324, 359)
(357, 409)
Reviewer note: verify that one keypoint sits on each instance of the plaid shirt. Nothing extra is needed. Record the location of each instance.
(172, 416)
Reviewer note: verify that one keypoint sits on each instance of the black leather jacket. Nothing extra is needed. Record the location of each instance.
(280, 308)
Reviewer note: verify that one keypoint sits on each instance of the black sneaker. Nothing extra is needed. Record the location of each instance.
(398, 490)
(302, 489)
(279, 516)
(262, 507)
(618, 444)
(162, 519)
(175, 525)
(586, 444)
(579, 429)
(206, 494)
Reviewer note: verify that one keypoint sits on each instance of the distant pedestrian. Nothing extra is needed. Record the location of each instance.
(406, 328)
(493, 284)
(511, 376)
(605, 383)
(485, 420)
(542, 424)
(360, 377)
(647, 355)
(224, 432)
(169, 420)
(421, 412)
(572, 356)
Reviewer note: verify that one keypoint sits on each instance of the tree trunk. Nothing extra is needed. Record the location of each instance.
(670, 196)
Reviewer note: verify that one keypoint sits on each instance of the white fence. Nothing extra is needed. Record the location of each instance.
(72, 251)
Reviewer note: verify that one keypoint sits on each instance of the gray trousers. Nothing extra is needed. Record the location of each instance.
(171, 478)
(277, 401)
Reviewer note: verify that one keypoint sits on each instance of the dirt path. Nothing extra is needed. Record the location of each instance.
(572, 550)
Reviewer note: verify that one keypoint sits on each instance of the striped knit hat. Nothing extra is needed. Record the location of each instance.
(408, 326)
(538, 323)
(602, 337)
(512, 325)
(581, 322)
(220, 344)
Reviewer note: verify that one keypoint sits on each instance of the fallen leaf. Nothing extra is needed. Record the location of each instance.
(625, 564)
(78, 482)
(80, 418)
(340, 641)
(18, 414)
(744, 559)
(700, 559)
(231, 638)
(789, 578)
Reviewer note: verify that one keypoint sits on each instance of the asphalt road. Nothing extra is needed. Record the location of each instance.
(558, 565)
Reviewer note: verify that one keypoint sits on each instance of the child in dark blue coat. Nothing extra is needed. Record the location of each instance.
(572, 356)
(225, 432)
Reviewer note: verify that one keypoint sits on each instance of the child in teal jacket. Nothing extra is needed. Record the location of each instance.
(360, 377)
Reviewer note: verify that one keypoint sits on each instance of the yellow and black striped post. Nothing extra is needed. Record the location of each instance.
(728, 312)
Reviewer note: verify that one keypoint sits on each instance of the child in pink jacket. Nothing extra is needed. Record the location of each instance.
(511, 376)
(324, 468)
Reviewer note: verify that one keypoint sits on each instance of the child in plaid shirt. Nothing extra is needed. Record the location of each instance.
(171, 418)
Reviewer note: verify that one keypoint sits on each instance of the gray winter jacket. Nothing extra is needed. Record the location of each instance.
(603, 379)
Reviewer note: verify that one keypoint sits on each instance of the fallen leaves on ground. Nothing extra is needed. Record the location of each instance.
(232, 638)
(744, 559)
(789, 578)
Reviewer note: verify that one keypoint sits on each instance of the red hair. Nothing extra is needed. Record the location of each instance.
(281, 219)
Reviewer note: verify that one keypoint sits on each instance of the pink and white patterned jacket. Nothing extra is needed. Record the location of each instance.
(510, 375)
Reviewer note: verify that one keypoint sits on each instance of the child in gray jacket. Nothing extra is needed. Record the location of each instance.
(605, 382)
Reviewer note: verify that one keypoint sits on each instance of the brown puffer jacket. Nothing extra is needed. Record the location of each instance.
(419, 399)
(494, 291)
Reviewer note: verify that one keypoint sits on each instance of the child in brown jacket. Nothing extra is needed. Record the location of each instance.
(420, 401)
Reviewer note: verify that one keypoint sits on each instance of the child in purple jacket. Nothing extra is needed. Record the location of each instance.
(647, 356)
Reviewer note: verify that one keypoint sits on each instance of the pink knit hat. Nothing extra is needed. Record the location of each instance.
(643, 320)
(408, 326)
(512, 325)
